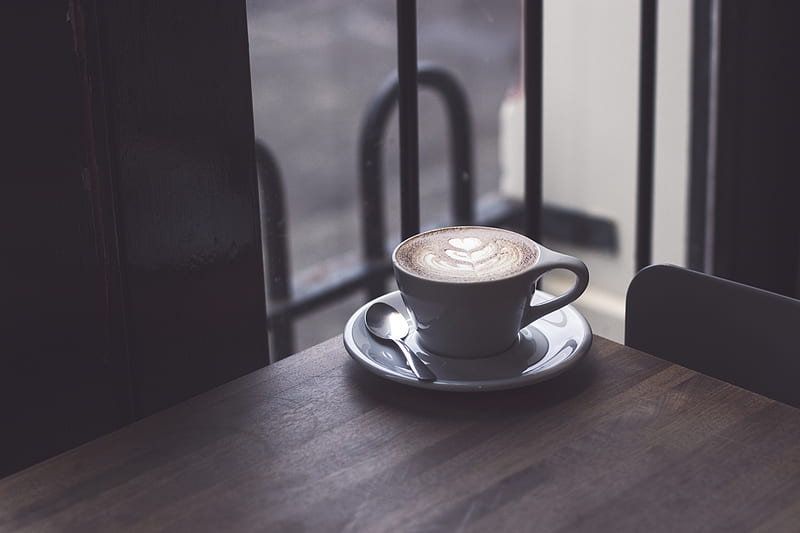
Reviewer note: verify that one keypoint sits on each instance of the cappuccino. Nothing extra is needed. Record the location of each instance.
(466, 254)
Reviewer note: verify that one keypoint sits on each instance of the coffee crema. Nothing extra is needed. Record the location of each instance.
(466, 254)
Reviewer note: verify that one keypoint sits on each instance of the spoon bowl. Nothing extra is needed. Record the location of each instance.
(386, 322)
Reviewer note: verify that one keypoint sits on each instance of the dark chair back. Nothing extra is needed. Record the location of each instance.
(734, 332)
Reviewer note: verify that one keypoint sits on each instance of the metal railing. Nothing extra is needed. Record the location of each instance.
(284, 306)
(371, 159)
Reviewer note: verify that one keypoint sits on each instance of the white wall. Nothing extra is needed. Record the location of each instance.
(672, 132)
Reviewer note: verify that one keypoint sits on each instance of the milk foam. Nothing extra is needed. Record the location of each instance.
(467, 254)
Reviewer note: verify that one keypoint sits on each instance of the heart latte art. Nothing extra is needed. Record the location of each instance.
(466, 254)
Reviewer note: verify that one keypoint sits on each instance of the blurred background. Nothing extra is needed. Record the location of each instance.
(317, 65)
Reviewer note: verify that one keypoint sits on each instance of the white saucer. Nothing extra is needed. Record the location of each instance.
(548, 347)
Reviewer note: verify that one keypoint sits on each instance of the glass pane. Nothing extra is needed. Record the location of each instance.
(478, 43)
(590, 131)
(316, 66)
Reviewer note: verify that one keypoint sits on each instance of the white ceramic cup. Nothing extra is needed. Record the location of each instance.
(468, 319)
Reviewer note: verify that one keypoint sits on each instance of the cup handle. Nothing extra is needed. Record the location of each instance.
(548, 261)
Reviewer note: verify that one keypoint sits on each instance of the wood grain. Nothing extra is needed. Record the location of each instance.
(623, 442)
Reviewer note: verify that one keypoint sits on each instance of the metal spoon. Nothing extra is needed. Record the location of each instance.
(386, 322)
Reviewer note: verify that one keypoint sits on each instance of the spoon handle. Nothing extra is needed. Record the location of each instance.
(419, 368)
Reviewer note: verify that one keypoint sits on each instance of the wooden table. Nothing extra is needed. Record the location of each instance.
(622, 442)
